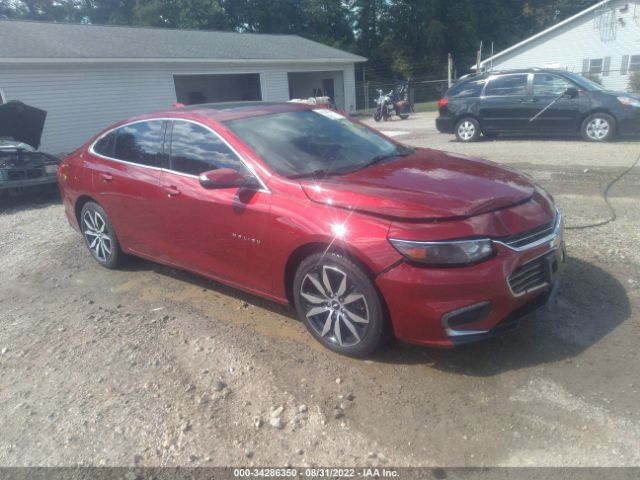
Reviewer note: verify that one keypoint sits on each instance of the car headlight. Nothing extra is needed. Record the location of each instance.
(447, 253)
(629, 101)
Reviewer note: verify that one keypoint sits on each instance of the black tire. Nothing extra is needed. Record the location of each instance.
(377, 116)
(598, 127)
(467, 130)
(104, 248)
(338, 322)
(404, 116)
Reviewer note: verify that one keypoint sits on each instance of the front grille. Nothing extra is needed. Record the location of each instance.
(531, 236)
(530, 276)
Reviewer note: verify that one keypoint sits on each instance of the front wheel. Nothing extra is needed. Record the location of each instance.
(377, 116)
(339, 304)
(467, 130)
(599, 127)
(99, 235)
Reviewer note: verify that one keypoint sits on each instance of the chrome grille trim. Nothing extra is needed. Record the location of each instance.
(533, 238)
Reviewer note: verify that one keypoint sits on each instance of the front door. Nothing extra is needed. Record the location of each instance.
(561, 116)
(222, 232)
(506, 105)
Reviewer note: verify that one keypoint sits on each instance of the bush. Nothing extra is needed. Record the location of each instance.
(593, 77)
(634, 82)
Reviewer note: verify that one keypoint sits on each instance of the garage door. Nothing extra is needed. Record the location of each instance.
(194, 89)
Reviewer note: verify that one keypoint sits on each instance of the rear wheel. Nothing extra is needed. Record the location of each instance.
(598, 127)
(404, 116)
(467, 130)
(99, 235)
(339, 305)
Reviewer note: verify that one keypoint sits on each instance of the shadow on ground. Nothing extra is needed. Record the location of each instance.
(28, 201)
(591, 303)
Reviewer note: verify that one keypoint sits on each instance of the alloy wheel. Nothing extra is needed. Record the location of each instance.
(466, 130)
(598, 128)
(334, 306)
(97, 235)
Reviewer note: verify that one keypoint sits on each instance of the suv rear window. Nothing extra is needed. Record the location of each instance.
(469, 88)
(507, 85)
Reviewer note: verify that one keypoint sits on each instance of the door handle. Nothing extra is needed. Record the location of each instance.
(172, 191)
(106, 177)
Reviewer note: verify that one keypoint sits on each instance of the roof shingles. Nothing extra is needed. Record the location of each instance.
(42, 40)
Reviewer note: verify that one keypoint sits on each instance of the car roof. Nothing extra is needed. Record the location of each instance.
(519, 70)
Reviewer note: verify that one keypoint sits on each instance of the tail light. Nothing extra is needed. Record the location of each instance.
(443, 102)
(63, 170)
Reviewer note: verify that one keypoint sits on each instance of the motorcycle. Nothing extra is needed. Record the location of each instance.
(396, 102)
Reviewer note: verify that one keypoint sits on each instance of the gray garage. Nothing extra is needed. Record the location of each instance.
(89, 76)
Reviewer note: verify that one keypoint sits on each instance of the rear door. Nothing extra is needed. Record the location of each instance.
(126, 178)
(506, 105)
(561, 116)
(219, 232)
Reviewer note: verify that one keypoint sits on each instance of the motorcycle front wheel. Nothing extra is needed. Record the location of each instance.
(377, 116)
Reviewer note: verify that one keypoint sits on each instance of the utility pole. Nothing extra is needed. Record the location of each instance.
(449, 65)
(364, 87)
(479, 58)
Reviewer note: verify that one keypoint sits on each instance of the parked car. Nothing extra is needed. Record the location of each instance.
(302, 205)
(22, 166)
(536, 100)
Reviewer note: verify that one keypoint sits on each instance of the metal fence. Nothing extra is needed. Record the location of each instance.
(419, 92)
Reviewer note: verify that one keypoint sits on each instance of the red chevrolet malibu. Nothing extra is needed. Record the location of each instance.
(363, 235)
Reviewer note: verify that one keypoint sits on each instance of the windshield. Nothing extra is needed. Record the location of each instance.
(585, 82)
(313, 143)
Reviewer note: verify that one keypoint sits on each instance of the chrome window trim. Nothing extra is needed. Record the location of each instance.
(248, 166)
(557, 230)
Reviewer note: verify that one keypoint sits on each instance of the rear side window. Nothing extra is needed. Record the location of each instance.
(106, 145)
(195, 149)
(470, 88)
(140, 143)
(507, 85)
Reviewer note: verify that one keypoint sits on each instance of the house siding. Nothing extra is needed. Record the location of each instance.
(609, 31)
(82, 99)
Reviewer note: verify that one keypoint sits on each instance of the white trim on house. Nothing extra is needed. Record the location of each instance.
(543, 33)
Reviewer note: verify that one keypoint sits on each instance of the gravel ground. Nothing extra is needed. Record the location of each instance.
(150, 366)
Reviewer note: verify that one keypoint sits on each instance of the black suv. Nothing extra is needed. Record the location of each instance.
(536, 100)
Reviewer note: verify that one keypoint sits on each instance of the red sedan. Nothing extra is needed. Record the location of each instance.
(366, 237)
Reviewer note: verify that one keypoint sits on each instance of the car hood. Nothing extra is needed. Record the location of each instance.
(22, 122)
(426, 185)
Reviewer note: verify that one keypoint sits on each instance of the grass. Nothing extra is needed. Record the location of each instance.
(426, 106)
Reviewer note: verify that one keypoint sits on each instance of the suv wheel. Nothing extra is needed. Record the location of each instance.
(467, 130)
(339, 305)
(599, 127)
(99, 235)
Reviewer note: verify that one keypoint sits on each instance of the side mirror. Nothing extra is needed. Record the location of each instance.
(222, 178)
(571, 92)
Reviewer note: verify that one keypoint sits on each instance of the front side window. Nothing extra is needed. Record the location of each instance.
(140, 143)
(313, 142)
(549, 85)
(507, 85)
(195, 149)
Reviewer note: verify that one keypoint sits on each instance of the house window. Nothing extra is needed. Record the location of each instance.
(634, 63)
(595, 66)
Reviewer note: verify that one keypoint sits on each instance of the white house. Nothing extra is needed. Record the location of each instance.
(87, 76)
(603, 41)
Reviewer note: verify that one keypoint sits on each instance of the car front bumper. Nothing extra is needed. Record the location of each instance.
(446, 307)
(27, 183)
(628, 119)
